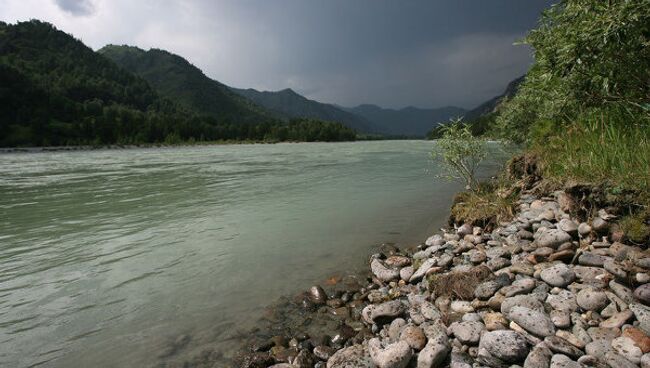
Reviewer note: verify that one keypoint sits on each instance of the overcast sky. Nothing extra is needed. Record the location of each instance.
(392, 53)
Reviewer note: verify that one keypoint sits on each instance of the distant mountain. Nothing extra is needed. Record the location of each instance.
(409, 121)
(56, 91)
(177, 79)
(491, 105)
(289, 104)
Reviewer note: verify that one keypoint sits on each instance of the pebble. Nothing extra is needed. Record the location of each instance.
(625, 347)
(413, 336)
(392, 308)
(617, 320)
(560, 318)
(434, 353)
(589, 299)
(395, 355)
(533, 321)
(552, 238)
(564, 300)
(616, 360)
(467, 333)
(505, 345)
(350, 357)
(639, 337)
(642, 294)
(563, 361)
(642, 314)
(558, 275)
(598, 348)
(539, 357)
(561, 346)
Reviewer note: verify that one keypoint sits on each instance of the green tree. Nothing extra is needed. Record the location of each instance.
(460, 152)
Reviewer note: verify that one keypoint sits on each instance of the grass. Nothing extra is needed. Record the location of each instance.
(459, 284)
(489, 205)
(609, 147)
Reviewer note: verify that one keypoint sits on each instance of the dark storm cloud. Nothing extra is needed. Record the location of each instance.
(391, 53)
(76, 7)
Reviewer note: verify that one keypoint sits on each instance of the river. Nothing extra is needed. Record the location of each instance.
(108, 256)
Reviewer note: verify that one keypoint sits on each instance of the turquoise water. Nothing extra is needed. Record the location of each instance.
(107, 257)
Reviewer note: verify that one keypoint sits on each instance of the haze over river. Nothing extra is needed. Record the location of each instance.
(106, 257)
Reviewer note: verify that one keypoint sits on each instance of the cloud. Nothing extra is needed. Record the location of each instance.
(76, 7)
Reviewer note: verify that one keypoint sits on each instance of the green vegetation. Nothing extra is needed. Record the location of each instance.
(460, 152)
(56, 91)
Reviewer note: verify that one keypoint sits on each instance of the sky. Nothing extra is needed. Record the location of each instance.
(392, 53)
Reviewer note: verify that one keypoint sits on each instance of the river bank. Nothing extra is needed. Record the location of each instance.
(558, 284)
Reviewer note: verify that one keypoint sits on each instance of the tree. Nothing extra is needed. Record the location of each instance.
(460, 152)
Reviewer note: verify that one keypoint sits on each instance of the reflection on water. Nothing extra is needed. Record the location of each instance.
(108, 258)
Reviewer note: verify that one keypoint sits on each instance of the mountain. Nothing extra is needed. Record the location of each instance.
(54, 90)
(409, 121)
(177, 79)
(289, 104)
(491, 105)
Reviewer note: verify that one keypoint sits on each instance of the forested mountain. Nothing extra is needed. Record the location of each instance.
(491, 104)
(409, 121)
(289, 104)
(54, 90)
(177, 79)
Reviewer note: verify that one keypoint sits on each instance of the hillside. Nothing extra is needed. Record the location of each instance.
(177, 79)
(409, 121)
(56, 91)
(490, 105)
(289, 104)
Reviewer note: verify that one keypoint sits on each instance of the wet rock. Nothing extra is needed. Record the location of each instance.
(414, 337)
(590, 299)
(382, 272)
(625, 347)
(552, 238)
(642, 294)
(467, 333)
(558, 275)
(397, 261)
(323, 352)
(389, 309)
(563, 361)
(561, 346)
(539, 357)
(256, 360)
(355, 356)
(533, 321)
(508, 346)
(317, 295)
(396, 355)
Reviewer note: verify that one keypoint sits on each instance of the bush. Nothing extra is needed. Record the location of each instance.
(460, 152)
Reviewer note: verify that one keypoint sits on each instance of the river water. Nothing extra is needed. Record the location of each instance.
(107, 257)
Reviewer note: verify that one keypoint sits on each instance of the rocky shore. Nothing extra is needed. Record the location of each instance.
(545, 289)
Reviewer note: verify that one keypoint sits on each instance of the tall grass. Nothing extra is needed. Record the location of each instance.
(607, 146)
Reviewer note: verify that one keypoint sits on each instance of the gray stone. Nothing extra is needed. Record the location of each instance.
(467, 333)
(435, 352)
(598, 348)
(413, 336)
(533, 321)
(422, 270)
(626, 347)
(355, 356)
(615, 269)
(616, 360)
(645, 360)
(560, 318)
(561, 346)
(568, 225)
(584, 229)
(539, 357)
(558, 275)
(392, 308)
(522, 286)
(406, 273)
(383, 272)
(528, 301)
(563, 361)
(395, 355)
(564, 300)
(617, 320)
(505, 345)
(604, 333)
(642, 294)
(591, 300)
(642, 314)
(395, 328)
(591, 259)
(552, 238)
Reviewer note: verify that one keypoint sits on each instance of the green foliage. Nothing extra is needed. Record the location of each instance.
(460, 152)
(636, 227)
(601, 146)
(588, 54)
(56, 91)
